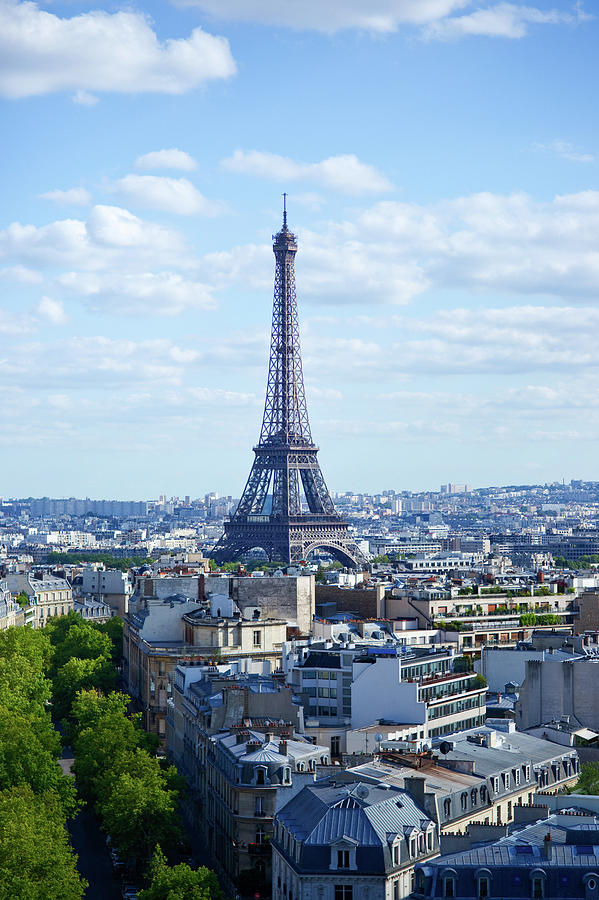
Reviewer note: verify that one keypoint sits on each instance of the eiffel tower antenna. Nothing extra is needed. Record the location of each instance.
(286, 508)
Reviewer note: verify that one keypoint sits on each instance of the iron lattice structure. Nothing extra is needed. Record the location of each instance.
(286, 508)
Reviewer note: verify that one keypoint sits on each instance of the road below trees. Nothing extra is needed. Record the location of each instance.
(89, 842)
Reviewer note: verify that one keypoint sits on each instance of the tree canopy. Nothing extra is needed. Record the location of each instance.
(180, 882)
(36, 859)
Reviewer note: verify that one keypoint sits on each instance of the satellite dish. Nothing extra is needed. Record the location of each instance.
(378, 737)
(445, 747)
(362, 791)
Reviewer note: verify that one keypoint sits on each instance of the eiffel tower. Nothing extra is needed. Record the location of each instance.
(286, 508)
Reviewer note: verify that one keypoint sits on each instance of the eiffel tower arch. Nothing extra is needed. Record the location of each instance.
(286, 508)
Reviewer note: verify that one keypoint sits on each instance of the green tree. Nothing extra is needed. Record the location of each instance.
(24, 759)
(36, 859)
(82, 641)
(588, 782)
(97, 747)
(462, 664)
(180, 882)
(31, 643)
(139, 806)
(23, 686)
(80, 674)
(113, 628)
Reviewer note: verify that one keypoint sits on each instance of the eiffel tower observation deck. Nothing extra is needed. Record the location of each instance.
(286, 508)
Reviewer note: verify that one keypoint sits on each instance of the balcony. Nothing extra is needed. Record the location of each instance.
(259, 849)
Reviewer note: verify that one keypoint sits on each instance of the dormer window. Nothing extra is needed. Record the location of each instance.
(261, 773)
(343, 859)
(343, 855)
(449, 885)
(286, 775)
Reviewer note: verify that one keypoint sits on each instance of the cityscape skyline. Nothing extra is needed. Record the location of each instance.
(441, 169)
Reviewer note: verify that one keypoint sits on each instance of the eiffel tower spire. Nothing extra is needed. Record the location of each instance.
(286, 507)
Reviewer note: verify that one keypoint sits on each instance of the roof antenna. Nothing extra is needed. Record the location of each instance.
(284, 210)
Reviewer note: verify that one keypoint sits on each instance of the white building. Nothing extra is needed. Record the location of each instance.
(48, 595)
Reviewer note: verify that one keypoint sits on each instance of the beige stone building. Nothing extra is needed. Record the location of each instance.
(237, 742)
(49, 596)
(159, 633)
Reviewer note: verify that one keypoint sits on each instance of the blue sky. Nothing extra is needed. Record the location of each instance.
(441, 161)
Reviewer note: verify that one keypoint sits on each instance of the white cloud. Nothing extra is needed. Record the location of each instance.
(166, 159)
(566, 150)
(507, 341)
(173, 195)
(345, 173)
(97, 51)
(111, 238)
(21, 274)
(145, 293)
(14, 325)
(394, 251)
(381, 16)
(52, 311)
(84, 98)
(71, 197)
(506, 20)
(386, 16)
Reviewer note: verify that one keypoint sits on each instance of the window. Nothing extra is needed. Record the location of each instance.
(258, 807)
(464, 800)
(260, 834)
(336, 746)
(260, 775)
(448, 886)
(447, 810)
(483, 794)
(413, 846)
(483, 887)
(396, 854)
(473, 796)
(396, 890)
(343, 859)
(537, 887)
(257, 638)
(344, 892)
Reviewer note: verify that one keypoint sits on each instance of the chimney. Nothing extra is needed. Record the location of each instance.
(268, 736)
(283, 748)
(547, 845)
(415, 785)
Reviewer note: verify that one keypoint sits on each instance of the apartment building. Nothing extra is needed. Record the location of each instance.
(476, 776)
(347, 686)
(109, 586)
(11, 613)
(553, 858)
(237, 740)
(48, 595)
(346, 841)
(159, 633)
